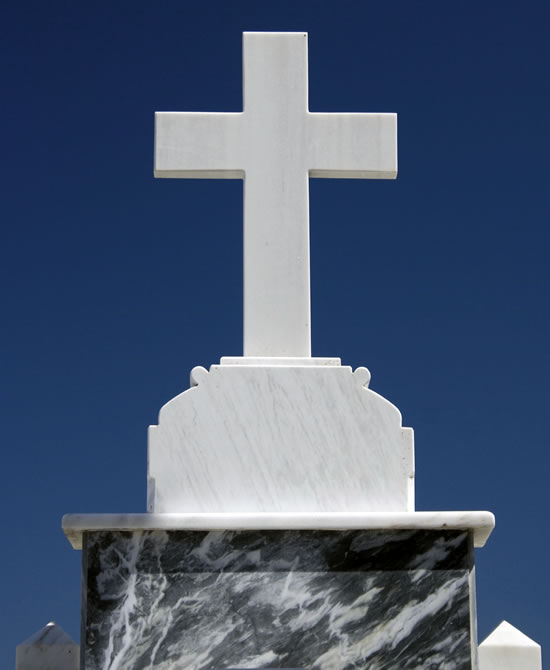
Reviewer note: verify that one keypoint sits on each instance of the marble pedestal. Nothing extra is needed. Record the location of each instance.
(372, 598)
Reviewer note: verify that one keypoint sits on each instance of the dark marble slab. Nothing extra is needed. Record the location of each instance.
(319, 600)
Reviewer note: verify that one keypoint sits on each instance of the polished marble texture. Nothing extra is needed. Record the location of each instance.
(276, 144)
(479, 523)
(257, 438)
(326, 600)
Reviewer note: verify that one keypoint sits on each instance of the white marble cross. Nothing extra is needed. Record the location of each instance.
(275, 144)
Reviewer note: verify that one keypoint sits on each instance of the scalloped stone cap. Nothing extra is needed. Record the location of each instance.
(251, 437)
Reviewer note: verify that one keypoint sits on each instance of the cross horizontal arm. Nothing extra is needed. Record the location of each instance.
(352, 146)
(199, 145)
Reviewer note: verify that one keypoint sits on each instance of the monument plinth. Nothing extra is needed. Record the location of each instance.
(281, 530)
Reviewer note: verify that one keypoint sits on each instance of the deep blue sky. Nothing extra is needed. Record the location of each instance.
(114, 284)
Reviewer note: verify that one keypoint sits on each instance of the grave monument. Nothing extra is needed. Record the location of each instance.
(281, 530)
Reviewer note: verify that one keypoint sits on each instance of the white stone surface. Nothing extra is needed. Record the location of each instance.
(275, 144)
(480, 523)
(280, 439)
(507, 648)
(48, 649)
(270, 361)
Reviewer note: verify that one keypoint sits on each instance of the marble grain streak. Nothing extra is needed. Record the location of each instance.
(271, 439)
(321, 600)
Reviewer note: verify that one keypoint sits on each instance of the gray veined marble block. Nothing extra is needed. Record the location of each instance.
(327, 600)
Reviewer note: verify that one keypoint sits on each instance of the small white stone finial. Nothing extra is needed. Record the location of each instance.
(275, 144)
(507, 648)
(50, 648)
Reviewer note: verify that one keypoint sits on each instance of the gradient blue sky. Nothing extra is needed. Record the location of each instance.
(114, 285)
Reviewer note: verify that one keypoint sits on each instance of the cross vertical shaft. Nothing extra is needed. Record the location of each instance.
(276, 209)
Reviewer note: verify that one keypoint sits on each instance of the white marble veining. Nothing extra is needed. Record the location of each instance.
(479, 523)
(275, 144)
(507, 648)
(323, 600)
(280, 439)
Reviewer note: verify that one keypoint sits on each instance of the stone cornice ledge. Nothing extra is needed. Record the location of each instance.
(480, 523)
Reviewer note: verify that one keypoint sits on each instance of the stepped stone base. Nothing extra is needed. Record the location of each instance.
(310, 599)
